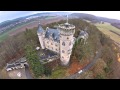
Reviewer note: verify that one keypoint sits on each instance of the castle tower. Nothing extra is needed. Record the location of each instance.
(41, 35)
(66, 41)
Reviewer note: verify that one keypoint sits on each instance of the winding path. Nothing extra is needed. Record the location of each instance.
(27, 72)
(74, 76)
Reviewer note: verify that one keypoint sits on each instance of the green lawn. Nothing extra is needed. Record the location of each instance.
(58, 73)
(106, 27)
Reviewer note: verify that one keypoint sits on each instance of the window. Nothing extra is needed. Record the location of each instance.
(63, 43)
(56, 49)
(51, 43)
(63, 51)
(69, 43)
(62, 57)
(67, 37)
(52, 48)
(56, 45)
(47, 42)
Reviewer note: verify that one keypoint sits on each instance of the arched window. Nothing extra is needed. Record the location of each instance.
(63, 51)
(63, 43)
(69, 43)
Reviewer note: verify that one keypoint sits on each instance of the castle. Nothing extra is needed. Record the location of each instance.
(60, 40)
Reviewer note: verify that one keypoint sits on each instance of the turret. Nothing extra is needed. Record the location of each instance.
(41, 35)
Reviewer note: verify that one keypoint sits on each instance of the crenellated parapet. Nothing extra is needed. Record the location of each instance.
(67, 29)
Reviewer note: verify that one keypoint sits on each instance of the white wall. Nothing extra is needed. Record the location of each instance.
(51, 45)
(41, 39)
(66, 48)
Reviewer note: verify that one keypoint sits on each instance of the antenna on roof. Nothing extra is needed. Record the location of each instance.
(39, 21)
(67, 18)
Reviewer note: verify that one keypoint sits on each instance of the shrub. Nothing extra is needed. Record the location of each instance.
(100, 76)
(47, 71)
(107, 69)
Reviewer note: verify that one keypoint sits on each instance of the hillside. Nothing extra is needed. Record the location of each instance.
(93, 18)
(117, 25)
(30, 24)
(41, 15)
(110, 31)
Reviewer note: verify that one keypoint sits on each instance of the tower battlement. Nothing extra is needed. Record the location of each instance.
(67, 29)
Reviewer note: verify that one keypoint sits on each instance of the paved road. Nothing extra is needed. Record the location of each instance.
(27, 72)
(86, 67)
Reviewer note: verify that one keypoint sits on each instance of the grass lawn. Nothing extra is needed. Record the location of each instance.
(106, 27)
(60, 72)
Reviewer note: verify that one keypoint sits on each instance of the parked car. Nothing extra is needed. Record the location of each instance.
(8, 69)
(80, 71)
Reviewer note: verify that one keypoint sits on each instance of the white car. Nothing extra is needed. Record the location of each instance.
(80, 71)
(8, 69)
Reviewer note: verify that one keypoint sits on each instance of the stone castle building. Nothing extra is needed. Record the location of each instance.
(60, 40)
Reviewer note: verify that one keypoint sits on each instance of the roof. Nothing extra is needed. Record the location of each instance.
(10, 65)
(54, 32)
(82, 33)
(40, 29)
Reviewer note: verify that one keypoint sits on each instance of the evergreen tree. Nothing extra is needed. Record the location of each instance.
(33, 61)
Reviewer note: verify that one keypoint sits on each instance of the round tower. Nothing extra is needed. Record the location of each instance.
(66, 41)
(41, 35)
